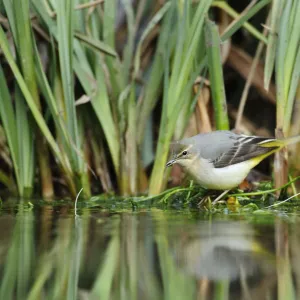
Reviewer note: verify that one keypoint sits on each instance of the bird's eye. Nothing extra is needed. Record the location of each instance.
(184, 153)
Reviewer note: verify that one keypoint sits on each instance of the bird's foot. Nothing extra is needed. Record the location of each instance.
(220, 197)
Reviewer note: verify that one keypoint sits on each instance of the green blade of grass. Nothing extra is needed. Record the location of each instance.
(95, 44)
(9, 9)
(281, 85)
(65, 46)
(292, 92)
(115, 67)
(216, 75)
(277, 6)
(291, 67)
(189, 53)
(243, 18)
(8, 120)
(109, 21)
(231, 12)
(48, 95)
(131, 143)
(293, 45)
(25, 138)
(103, 111)
(182, 28)
(24, 45)
(129, 47)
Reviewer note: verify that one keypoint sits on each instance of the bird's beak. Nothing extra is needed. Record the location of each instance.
(170, 163)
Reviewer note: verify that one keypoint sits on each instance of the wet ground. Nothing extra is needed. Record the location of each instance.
(49, 252)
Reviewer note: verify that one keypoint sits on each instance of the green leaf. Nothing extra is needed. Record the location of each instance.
(65, 46)
(277, 6)
(8, 120)
(95, 44)
(216, 75)
(25, 138)
(238, 23)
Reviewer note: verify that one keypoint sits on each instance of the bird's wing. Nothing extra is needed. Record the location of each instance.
(244, 148)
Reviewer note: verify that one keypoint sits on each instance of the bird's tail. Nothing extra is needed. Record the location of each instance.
(281, 142)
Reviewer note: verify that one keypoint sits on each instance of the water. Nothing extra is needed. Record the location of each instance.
(46, 252)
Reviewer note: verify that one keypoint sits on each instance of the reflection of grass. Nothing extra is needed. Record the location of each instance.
(17, 273)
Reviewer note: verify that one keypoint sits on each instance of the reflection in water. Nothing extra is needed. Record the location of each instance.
(221, 251)
(228, 254)
(48, 253)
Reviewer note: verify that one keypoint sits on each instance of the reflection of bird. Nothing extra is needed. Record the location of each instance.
(222, 159)
(221, 251)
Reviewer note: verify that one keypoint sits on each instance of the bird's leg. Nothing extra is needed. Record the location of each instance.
(208, 194)
(203, 200)
(220, 197)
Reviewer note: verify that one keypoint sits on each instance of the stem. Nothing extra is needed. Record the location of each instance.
(212, 40)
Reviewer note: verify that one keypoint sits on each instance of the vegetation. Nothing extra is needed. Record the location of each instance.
(93, 92)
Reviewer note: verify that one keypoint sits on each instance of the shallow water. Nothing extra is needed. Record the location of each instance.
(46, 252)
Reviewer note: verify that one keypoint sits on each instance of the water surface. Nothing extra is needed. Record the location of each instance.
(48, 252)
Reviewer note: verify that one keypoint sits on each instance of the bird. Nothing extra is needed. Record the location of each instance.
(222, 159)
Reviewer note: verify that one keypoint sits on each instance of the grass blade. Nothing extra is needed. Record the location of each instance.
(216, 75)
(277, 6)
(95, 44)
(65, 47)
(231, 12)
(281, 88)
(8, 120)
(292, 92)
(129, 47)
(25, 137)
(245, 16)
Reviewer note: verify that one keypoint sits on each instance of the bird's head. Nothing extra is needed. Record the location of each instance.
(184, 157)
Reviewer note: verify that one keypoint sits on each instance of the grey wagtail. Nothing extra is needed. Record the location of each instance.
(221, 160)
